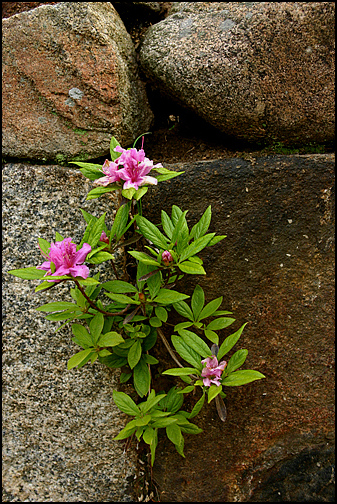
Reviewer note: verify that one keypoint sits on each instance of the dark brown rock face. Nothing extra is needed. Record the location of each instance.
(260, 71)
(274, 270)
(70, 82)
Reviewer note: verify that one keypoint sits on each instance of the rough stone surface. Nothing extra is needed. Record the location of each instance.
(70, 81)
(58, 425)
(260, 71)
(275, 270)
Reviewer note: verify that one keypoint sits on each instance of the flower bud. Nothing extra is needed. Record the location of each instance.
(166, 257)
(104, 238)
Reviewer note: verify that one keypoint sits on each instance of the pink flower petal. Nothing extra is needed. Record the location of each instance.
(82, 271)
(82, 253)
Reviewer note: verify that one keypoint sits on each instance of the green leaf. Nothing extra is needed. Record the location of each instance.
(152, 401)
(154, 283)
(98, 191)
(216, 240)
(140, 192)
(110, 339)
(128, 430)
(200, 228)
(124, 377)
(100, 257)
(242, 377)
(212, 336)
(161, 313)
(87, 216)
(197, 407)
(82, 336)
(165, 175)
(58, 237)
(89, 170)
(180, 371)
(44, 245)
(125, 403)
(173, 400)
(129, 193)
(119, 287)
(121, 219)
(155, 322)
(183, 309)
(93, 231)
(229, 342)
(180, 233)
(164, 422)
(236, 360)
(42, 286)
(197, 301)
(182, 325)
(87, 281)
(220, 323)
(153, 446)
(176, 213)
(191, 268)
(187, 389)
(141, 378)
(196, 246)
(101, 246)
(151, 232)
(210, 308)
(56, 306)
(76, 359)
(186, 352)
(144, 258)
(173, 432)
(113, 143)
(113, 361)
(134, 354)
(121, 298)
(193, 340)
(150, 340)
(168, 296)
(149, 435)
(149, 359)
(30, 273)
(96, 326)
(63, 315)
(191, 429)
(213, 391)
(167, 224)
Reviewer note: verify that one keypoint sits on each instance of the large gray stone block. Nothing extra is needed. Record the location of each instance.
(58, 425)
(259, 71)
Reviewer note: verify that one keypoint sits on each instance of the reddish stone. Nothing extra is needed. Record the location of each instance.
(275, 270)
(70, 81)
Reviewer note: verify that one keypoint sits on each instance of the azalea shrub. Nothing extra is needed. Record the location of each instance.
(118, 322)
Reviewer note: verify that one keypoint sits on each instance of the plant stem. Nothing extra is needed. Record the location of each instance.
(114, 268)
(170, 351)
(92, 304)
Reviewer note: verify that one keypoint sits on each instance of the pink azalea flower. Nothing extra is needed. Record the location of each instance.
(167, 257)
(212, 371)
(66, 260)
(135, 168)
(110, 168)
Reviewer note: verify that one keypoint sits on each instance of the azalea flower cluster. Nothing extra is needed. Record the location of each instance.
(212, 371)
(134, 173)
(63, 259)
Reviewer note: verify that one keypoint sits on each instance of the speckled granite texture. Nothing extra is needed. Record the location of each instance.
(58, 425)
